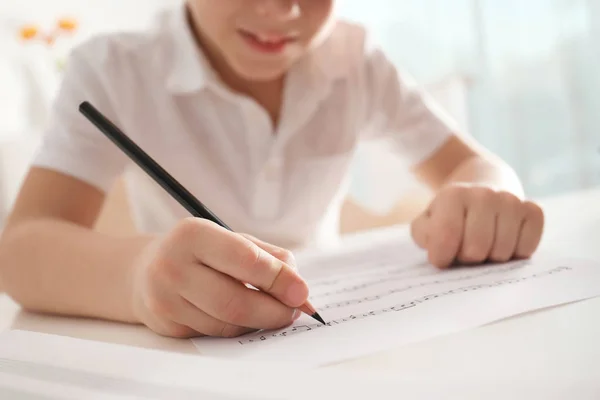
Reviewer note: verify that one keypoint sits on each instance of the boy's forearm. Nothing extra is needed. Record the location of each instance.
(487, 171)
(54, 267)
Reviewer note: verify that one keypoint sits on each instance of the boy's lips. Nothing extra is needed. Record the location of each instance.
(267, 42)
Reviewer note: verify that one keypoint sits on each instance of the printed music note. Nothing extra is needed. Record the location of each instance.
(411, 304)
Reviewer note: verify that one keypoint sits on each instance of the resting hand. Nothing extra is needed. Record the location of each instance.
(470, 224)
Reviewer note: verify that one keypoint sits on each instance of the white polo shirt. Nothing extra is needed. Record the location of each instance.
(284, 184)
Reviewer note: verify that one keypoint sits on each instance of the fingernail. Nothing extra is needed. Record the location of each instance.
(297, 314)
(296, 294)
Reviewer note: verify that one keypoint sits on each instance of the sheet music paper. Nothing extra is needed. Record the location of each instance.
(381, 295)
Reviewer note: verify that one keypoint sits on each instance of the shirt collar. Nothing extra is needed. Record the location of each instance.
(190, 70)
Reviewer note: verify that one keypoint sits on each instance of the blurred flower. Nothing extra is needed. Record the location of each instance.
(63, 26)
(67, 24)
(28, 32)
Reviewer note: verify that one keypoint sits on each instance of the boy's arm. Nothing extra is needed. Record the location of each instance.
(461, 160)
(423, 134)
(52, 261)
(478, 212)
(186, 283)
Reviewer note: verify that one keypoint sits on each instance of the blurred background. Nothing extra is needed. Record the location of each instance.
(523, 77)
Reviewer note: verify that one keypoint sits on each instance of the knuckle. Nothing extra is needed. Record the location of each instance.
(233, 310)
(160, 307)
(186, 227)
(285, 255)
(189, 227)
(249, 255)
(166, 270)
(509, 201)
(172, 271)
(483, 195)
(155, 272)
(455, 191)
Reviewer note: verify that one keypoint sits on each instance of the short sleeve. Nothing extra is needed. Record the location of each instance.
(70, 143)
(399, 110)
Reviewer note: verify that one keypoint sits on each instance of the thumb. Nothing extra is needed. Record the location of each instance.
(419, 229)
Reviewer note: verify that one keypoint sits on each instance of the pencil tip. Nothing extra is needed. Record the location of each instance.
(318, 318)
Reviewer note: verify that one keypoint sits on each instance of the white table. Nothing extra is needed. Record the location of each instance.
(559, 344)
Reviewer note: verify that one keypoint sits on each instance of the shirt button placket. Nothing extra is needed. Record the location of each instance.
(268, 190)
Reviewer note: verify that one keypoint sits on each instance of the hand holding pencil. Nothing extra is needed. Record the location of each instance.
(191, 282)
(194, 280)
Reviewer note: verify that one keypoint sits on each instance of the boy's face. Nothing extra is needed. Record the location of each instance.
(261, 39)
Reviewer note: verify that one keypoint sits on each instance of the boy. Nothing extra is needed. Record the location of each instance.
(256, 107)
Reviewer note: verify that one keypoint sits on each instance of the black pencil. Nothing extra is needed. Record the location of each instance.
(160, 176)
(151, 167)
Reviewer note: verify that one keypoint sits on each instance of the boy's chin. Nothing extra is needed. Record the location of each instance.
(261, 73)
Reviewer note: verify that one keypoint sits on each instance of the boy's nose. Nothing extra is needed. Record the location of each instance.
(279, 9)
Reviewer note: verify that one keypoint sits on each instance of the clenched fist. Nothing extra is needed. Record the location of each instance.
(468, 224)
